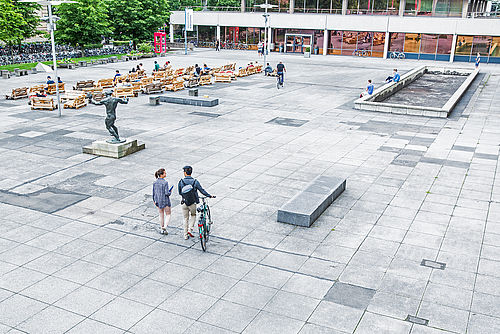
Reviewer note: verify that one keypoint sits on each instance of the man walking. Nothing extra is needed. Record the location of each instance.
(188, 189)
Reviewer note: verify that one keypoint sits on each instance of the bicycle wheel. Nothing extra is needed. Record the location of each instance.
(203, 234)
(402, 55)
(393, 56)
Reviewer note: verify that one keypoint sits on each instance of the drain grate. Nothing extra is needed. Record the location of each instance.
(416, 320)
(206, 114)
(288, 121)
(433, 264)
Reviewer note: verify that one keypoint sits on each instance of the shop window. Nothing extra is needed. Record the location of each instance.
(349, 41)
(365, 40)
(464, 45)
(418, 7)
(378, 44)
(397, 41)
(335, 42)
(428, 43)
(481, 44)
(495, 47)
(412, 43)
(444, 44)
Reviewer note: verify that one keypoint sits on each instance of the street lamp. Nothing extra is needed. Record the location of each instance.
(266, 6)
(52, 26)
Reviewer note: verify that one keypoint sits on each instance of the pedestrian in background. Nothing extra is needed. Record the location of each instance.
(478, 59)
(161, 198)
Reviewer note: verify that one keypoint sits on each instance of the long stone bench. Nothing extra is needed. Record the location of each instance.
(308, 205)
(190, 100)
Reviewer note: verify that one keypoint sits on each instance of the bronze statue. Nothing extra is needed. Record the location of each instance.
(111, 102)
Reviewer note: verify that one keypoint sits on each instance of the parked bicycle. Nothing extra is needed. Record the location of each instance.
(397, 55)
(362, 53)
(205, 222)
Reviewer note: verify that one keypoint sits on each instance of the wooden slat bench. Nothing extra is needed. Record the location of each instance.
(84, 84)
(105, 83)
(146, 81)
(192, 82)
(77, 103)
(44, 103)
(51, 88)
(222, 77)
(205, 80)
(152, 88)
(175, 86)
(124, 92)
(18, 93)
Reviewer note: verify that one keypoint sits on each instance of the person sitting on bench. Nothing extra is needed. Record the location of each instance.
(395, 77)
(50, 81)
(268, 70)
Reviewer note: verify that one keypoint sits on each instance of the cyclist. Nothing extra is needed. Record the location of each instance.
(280, 69)
(188, 189)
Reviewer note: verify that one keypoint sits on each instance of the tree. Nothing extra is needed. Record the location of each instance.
(18, 21)
(82, 23)
(137, 19)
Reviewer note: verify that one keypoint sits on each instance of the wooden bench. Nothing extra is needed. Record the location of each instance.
(44, 103)
(309, 204)
(37, 88)
(105, 83)
(72, 95)
(153, 88)
(251, 70)
(192, 82)
(242, 72)
(133, 76)
(137, 86)
(146, 81)
(175, 86)
(205, 80)
(159, 75)
(124, 92)
(97, 96)
(178, 72)
(141, 73)
(258, 68)
(80, 85)
(51, 88)
(222, 77)
(18, 93)
(77, 103)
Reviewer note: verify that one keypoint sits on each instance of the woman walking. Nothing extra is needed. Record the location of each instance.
(161, 198)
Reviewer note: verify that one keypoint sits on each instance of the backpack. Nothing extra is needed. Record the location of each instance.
(188, 193)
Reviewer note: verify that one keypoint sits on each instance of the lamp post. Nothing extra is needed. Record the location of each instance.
(51, 25)
(265, 6)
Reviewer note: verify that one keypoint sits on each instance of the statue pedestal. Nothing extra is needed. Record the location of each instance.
(117, 151)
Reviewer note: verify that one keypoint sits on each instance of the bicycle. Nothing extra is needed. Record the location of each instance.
(397, 55)
(204, 223)
(361, 53)
(279, 82)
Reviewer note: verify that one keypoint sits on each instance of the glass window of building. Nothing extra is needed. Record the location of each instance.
(464, 45)
(397, 41)
(495, 47)
(378, 44)
(412, 43)
(444, 44)
(349, 41)
(481, 44)
(335, 42)
(429, 43)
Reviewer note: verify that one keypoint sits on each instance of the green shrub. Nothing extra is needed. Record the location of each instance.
(93, 46)
(145, 47)
(308, 49)
(120, 43)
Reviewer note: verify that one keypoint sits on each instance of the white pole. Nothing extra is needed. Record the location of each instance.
(54, 58)
(265, 36)
(185, 32)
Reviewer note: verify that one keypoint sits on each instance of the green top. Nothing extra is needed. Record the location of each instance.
(157, 67)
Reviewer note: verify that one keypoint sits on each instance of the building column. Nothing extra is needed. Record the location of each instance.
(386, 44)
(453, 46)
(171, 33)
(217, 33)
(269, 40)
(325, 42)
(465, 8)
(344, 7)
(242, 6)
(292, 6)
(402, 5)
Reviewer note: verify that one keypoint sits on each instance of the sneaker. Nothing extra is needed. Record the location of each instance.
(191, 234)
(186, 237)
(164, 231)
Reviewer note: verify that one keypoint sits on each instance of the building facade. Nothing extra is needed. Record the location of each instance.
(446, 30)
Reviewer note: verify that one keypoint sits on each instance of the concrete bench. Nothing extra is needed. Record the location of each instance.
(82, 64)
(190, 100)
(5, 74)
(308, 205)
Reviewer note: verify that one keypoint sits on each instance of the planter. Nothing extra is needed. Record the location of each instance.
(307, 54)
(62, 65)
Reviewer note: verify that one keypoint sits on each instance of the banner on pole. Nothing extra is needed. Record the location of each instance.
(189, 19)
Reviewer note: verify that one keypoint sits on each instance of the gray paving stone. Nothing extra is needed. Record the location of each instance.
(271, 323)
(54, 320)
(229, 315)
(336, 316)
(371, 322)
(350, 295)
(122, 313)
(162, 321)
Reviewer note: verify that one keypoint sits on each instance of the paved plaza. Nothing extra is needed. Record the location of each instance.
(411, 246)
